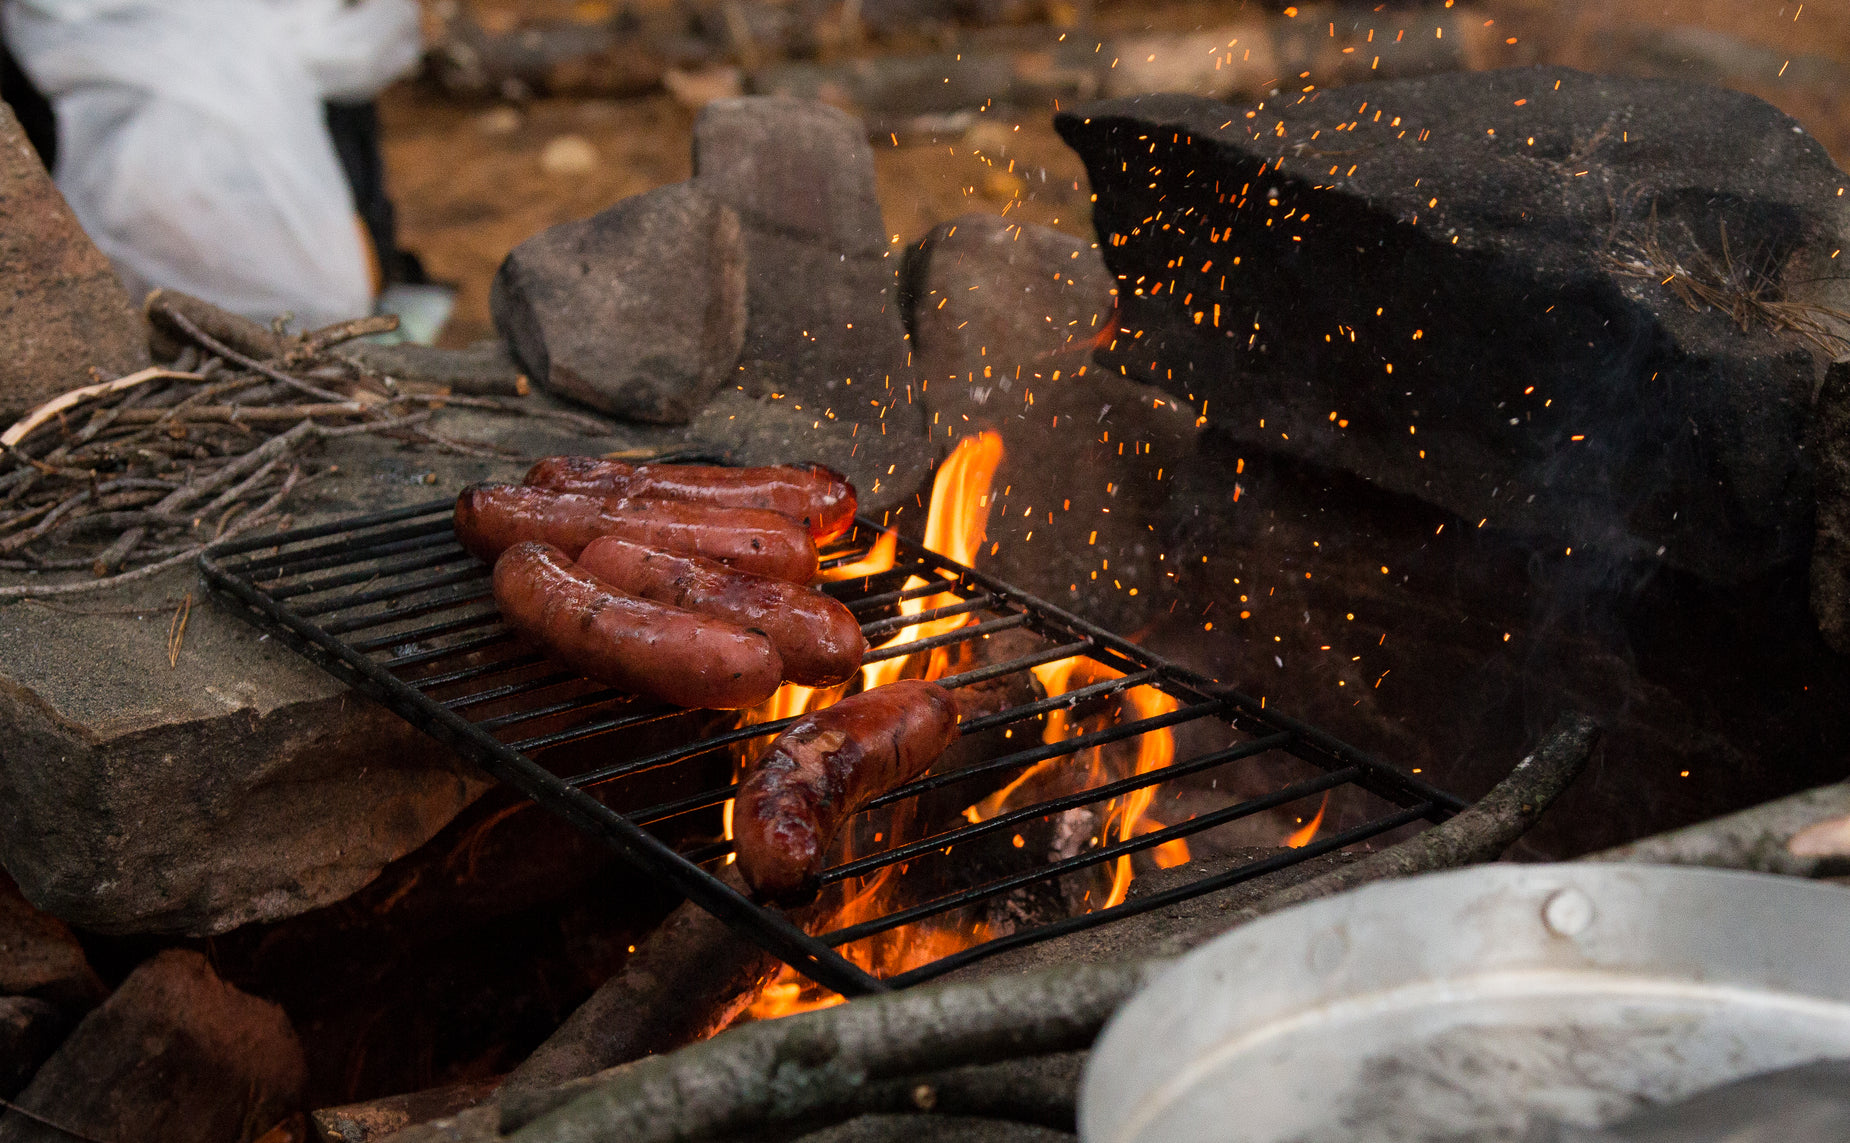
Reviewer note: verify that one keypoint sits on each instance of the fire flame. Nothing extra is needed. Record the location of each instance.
(1306, 833)
(955, 527)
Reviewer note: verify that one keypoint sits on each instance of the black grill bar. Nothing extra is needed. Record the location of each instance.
(392, 604)
(1041, 809)
(461, 647)
(1139, 905)
(1091, 857)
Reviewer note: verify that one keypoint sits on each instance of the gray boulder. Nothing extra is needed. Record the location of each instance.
(1586, 309)
(638, 310)
(62, 308)
(1004, 321)
(823, 326)
(175, 1055)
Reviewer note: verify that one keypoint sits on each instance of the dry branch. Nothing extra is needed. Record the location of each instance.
(1805, 835)
(75, 397)
(780, 1070)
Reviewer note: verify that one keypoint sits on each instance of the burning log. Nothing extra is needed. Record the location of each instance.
(837, 1060)
(690, 978)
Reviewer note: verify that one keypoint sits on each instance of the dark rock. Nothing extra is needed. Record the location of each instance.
(823, 328)
(1004, 321)
(1449, 649)
(64, 310)
(174, 1055)
(29, 1033)
(40, 956)
(1501, 242)
(243, 784)
(638, 310)
(1830, 556)
(889, 459)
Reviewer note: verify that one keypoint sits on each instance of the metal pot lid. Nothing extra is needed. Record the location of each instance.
(1485, 1004)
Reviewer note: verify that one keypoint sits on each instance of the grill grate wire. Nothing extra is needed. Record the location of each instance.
(391, 604)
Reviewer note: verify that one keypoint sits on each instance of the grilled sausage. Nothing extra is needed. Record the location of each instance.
(636, 644)
(490, 518)
(822, 769)
(817, 638)
(820, 497)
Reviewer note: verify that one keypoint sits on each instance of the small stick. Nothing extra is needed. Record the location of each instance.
(20, 539)
(63, 401)
(251, 363)
(274, 447)
(241, 414)
(112, 557)
(317, 342)
(38, 591)
(1805, 835)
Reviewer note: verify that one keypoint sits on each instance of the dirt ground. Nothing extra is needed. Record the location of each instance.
(474, 178)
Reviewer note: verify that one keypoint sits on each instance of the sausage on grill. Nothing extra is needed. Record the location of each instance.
(822, 769)
(817, 638)
(820, 497)
(636, 644)
(490, 518)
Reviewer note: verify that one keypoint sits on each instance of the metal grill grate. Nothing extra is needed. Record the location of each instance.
(391, 604)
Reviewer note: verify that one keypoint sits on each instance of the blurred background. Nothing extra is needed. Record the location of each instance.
(529, 113)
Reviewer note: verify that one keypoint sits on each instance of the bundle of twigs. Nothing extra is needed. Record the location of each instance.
(124, 478)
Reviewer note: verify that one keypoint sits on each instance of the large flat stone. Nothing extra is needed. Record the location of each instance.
(1460, 288)
(242, 783)
(62, 308)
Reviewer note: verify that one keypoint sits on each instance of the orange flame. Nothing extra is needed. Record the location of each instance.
(878, 559)
(1306, 833)
(955, 527)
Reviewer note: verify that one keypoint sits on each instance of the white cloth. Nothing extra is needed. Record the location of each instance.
(192, 145)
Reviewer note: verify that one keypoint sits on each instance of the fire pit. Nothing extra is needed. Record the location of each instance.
(1074, 731)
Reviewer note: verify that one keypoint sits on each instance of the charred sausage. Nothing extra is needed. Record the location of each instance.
(822, 769)
(636, 644)
(817, 638)
(490, 518)
(820, 497)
